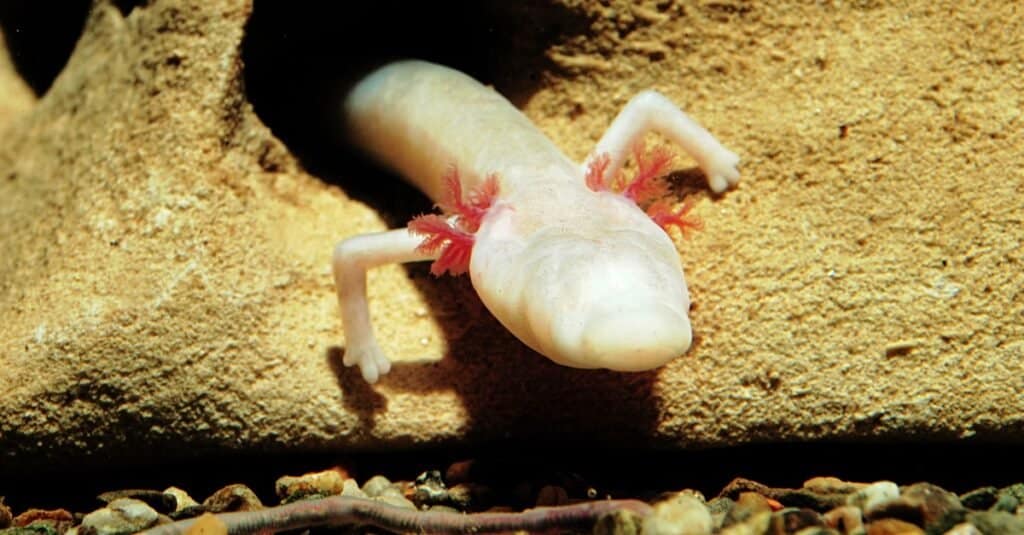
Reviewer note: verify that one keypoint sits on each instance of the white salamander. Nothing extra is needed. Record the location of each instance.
(559, 252)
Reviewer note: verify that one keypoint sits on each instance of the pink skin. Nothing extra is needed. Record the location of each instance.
(560, 252)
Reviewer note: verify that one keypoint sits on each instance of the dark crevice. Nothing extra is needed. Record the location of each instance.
(126, 6)
(622, 473)
(301, 58)
(40, 37)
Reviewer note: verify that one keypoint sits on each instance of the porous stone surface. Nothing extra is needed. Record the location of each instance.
(164, 277)
(15, 95)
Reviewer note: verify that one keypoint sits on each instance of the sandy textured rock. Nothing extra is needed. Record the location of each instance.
(15, 95)
(164, 278)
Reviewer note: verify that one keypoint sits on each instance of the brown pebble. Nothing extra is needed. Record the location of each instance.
(5, 514)
(755, 525)
(620, 522)
(57, 518)
(326, 483)
(923, 504)
(550, 495)
(459, 472)
(156, 499)
(792, 520)
(832, 485)
(893, 526)
(846, 519)
(233, 498)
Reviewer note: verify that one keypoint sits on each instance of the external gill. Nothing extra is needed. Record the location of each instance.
(647, 186)
(451, 234)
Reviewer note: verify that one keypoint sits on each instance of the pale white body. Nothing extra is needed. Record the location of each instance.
(583, 277)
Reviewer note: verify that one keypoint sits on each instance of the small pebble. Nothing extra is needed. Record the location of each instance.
(465, 496)
(376, 485)
(870, 496)
(120, 517)
(893, 526)
(550, 495)
(618, 523)
(182, 499)
(325, 483)
(927, 505)
(185, 506)
(845, 519)
(756, 524)
(232, 498)
(429, 489)
(832, 485)
(459, 472)
(58, 519)
(154, 498)
(350, 488)
(997, 522)
(682, 514)
(964, 529)
(792, 519)
(980, 499)
(816, 530)
(748, 504)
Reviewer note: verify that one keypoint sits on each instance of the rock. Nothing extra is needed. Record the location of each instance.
(377, 485)
(550, 495)
(6, 516)
(980, 499)
(429, 489)
(747, 505)
(56, 520)
(870, 496)
(893, 526)
(324, 483)
(122, 516)
(832, 485)
(232, 498)
(158, 500)
(1010, 499)
(619, 522)
(184, 505)
(996, 522)
(923, 504)
(351, 488)
(720, 508)
(16, 98)
(682, 514)
(36, 529)
(460, 471)
(964, 529)
(164, 282)
(756, 524)
(793, 520)
(846, 519)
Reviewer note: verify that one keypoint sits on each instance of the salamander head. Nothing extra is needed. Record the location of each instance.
(610, 294)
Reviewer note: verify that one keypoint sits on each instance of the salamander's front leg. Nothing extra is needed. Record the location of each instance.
(652, 111)
(352, 257)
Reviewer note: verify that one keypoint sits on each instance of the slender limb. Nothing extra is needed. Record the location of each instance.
(352, 257)
(652, 111)
(339, 510)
